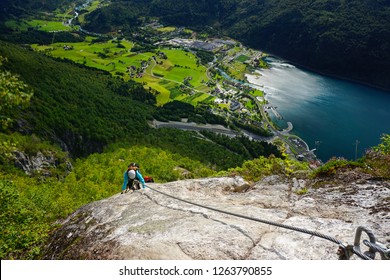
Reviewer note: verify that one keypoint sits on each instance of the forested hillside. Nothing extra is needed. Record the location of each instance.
(343, 38)
(18, 7)
(82, 109)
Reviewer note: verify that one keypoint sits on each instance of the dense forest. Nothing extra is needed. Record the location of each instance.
(348, 39)
(21, 7)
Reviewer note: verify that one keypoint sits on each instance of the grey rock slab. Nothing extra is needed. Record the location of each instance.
(150, 225)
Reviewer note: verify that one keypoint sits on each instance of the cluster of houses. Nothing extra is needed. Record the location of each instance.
(138, 72)
(67, 47)
(195, 44)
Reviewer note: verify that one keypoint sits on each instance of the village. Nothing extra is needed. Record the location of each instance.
(243, 101)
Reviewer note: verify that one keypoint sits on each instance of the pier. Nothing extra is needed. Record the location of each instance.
(276, 113)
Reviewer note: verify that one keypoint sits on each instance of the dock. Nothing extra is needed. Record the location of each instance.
(276, 113)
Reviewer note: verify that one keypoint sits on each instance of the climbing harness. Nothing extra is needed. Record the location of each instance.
(345, 252)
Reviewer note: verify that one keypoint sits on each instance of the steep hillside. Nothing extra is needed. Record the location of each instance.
(82, 109)
(343, 38)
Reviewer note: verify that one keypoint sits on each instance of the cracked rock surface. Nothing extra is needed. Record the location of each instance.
(149, 225)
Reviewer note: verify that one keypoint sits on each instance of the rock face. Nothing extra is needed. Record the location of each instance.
(150, 225)
(38, 163)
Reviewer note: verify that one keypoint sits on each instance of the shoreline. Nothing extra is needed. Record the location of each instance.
(286, 133)
(318, 105)
(327, 74)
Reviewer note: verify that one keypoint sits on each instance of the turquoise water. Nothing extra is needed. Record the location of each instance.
(339, 118)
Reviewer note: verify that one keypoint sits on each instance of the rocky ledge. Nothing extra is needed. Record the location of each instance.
(150, 225)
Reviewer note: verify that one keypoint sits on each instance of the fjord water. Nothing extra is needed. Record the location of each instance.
(339, 118)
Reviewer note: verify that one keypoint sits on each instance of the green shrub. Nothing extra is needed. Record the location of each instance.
(384, 146)
(378, 159)
(333, 165)
(23, 230)
(14, 93)
(255, 170)
(302, 191)
(377, 164)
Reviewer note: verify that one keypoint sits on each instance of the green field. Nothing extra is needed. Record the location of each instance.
(42, 25)
(49, 26)
(179, 76)
(166, 29)
(257, 92)
(176, 77)
(234, 51)
(180, 65)
(242, 58)
(94, 5)
(166, 75)
(106, 56)
(197, 97)
(236, 70)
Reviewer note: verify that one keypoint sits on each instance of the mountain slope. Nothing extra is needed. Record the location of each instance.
(343, 38)
(83, 109)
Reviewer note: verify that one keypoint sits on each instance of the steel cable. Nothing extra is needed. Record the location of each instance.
(356, 251)
(314, 233)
